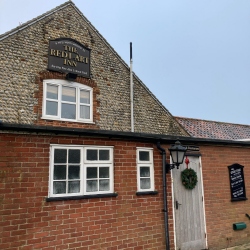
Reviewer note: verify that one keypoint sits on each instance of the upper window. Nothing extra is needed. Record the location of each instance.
(67, 101)
(145, 169)
(80, 170)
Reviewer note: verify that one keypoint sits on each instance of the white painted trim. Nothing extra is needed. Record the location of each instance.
(78, 87)
(202, 191)
(149, 164)
(83, 165)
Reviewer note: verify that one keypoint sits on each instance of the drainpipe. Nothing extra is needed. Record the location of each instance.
(164, 185)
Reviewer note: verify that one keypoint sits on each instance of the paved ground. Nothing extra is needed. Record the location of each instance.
(242, 247)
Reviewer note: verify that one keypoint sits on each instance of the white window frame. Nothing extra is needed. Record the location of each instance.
(84, 163)
(98, 164)
(149, 164)
(60, 83)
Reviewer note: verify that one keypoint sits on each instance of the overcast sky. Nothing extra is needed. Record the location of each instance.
(194, 55)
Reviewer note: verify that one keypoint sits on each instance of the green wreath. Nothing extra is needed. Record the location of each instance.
(189, 178)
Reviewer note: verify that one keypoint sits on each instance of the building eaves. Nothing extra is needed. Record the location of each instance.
(131, 136)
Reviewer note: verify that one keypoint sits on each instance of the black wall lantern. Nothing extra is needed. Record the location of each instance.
(71, 77)
(177, 152)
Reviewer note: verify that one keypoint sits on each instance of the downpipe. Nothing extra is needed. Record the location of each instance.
(164, 185)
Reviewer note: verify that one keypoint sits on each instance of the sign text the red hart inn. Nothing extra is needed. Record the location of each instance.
(69, 56)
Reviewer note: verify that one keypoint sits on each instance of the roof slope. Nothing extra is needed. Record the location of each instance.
(214, 130)
(30, 40)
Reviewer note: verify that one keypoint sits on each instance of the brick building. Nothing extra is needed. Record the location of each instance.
(77, 174)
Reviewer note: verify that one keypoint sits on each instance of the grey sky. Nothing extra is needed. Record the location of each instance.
(192, 54)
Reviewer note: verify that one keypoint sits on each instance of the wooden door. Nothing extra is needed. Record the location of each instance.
(188, 208)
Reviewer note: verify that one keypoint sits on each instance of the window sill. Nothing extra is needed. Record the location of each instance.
(80, 197)
(146, 192)
(65, 120)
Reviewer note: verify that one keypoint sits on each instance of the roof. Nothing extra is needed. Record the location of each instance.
(215, 130)
(173, 126)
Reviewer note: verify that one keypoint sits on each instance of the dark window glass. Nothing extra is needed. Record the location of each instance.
(59, 187)
(74, 187)
(74, 156)
(74, 172)
(59, 172)
(91, 172)
(144, 171)
(92, 155)
(60, 156)
(104, 185)
(103, 155)
(92, 186)
(143, 155)
(104, 172)
(145, 183)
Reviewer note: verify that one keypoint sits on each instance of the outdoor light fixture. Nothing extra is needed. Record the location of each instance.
(177, 152)
(71, 77)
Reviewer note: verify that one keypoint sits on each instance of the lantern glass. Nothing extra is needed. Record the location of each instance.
(177, 152)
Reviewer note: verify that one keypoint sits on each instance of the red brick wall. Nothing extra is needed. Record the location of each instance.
(29, 222)
(221, 213)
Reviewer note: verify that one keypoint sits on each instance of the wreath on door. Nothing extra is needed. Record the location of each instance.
(189, 178)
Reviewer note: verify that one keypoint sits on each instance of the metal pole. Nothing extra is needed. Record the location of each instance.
(131, 90)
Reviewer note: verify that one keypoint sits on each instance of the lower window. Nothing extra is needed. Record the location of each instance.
(81, 170)
(145, 169)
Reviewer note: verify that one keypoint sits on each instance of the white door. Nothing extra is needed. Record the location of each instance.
(188, 208)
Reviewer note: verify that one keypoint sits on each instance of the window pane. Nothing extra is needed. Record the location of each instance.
(51, 108)
(68, 94)
(52, 92)
(143, 155)
(104, 185)
(74, 156)
(144, 171)
(59, 187)
(84, 112)
(74, 172)
(92, 154)
(74, 187)
(91, 173)
(104, 172)
(68, 111)
(59, 172)
(60, 156)
(84, 97)
(103, 155)
(91, 186)
(145, 183)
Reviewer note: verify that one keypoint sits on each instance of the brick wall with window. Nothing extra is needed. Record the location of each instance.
(52, 182)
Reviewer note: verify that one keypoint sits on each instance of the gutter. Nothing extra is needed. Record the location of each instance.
(164, 186)
(163, 138)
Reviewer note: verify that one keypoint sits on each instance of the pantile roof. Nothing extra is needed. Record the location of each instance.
(214, 130)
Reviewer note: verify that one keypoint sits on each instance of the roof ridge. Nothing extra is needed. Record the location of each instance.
(34, 20)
